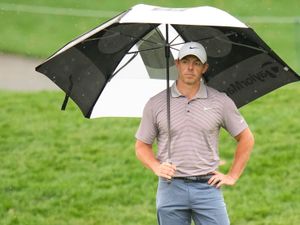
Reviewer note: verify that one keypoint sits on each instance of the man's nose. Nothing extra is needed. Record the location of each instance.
(190, 66)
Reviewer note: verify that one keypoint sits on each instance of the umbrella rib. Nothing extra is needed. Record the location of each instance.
(159, 33)
(153, 42)
(232, 42)
(144, 50)
(154, 48)
(243, 45)
(172, 46)
(174, 39)
(120, 33)
(215, 37)
(129, 60)
(161, 45)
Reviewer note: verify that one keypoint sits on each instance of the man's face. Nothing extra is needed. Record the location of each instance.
(190, 69)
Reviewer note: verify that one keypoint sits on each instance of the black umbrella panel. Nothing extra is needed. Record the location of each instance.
(241, 64)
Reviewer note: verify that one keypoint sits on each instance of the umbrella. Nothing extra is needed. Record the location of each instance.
(113, 69)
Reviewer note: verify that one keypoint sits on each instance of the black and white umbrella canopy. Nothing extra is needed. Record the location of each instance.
(115, 68)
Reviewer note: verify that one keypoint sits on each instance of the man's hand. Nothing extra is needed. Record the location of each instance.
(165, 170)
(219, 179)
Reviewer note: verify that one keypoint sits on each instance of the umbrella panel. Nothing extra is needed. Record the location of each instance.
(92, 60)
(241, 64)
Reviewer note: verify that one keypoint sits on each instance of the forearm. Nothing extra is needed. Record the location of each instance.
(242, 154)
(145, 154)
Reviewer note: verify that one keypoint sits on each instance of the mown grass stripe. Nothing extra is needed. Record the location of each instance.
(21, 8)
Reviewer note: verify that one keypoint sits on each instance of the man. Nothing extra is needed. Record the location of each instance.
(189, 186)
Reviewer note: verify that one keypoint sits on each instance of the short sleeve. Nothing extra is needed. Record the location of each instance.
(147, 130)
(233, 121)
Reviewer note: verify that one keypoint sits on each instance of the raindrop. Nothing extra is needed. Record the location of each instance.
(224, 82)
(82, 94)
(255, 91)
(286, 68)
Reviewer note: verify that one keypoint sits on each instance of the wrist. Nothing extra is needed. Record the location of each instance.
(155, 167)
(233, 177)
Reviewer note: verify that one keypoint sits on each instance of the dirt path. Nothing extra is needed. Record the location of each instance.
(18, 73)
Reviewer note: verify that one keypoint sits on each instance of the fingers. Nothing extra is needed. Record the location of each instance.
(169, 165)
(167, 170)
(219, 184)
(219, 179)
(214, 180)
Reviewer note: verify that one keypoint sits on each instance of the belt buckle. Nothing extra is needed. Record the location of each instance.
(191, 179)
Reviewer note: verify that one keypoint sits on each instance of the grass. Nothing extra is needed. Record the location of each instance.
(59, 168)
(51, 172)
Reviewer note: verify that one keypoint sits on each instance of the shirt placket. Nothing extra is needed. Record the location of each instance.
(188, 112)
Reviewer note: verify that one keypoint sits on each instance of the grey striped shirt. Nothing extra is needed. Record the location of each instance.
(195, 127)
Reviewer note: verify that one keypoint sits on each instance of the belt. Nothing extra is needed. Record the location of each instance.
(200, 179)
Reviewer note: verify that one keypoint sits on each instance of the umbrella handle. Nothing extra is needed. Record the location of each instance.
(65, 102)
(68, 93)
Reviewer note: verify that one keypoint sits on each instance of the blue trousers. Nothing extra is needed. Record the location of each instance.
(181, 201)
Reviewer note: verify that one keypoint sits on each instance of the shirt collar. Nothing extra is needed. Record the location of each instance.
(202, 92)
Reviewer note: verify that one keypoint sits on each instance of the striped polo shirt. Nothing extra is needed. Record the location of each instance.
(195, 128)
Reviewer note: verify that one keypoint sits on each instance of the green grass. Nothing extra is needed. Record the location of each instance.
(59, 168)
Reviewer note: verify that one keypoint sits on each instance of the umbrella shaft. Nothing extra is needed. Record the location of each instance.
(167, 54)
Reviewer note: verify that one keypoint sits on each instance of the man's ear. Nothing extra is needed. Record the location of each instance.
(205, 68)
